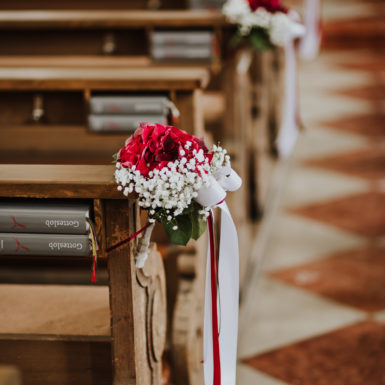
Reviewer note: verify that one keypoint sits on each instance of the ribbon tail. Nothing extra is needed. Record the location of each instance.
(228, 277)
(310, 43)
(212, 361)
(226, 304)
(288, 131)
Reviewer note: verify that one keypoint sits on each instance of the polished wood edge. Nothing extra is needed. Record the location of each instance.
(107, 78)
(59, 181)
(54, 337)
(40, 19)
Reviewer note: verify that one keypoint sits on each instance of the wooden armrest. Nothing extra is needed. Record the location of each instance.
(135, 78)
(90, 61)
(110, 19)
(58, 181)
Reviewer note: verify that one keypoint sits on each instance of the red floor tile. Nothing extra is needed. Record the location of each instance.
(355, 278)
(354, 355)
(363, 214)
(375, 92)
(371, 125)
(371, 64)
(368, 163)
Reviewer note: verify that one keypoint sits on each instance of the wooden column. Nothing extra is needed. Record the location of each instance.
(137, 300)
(121, 281)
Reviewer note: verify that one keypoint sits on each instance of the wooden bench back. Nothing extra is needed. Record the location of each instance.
(63, 136)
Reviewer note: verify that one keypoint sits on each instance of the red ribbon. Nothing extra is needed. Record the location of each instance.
(214, 280)
(130, 238)
(93, 278)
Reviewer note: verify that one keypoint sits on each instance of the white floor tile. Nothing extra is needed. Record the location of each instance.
(380, 316)
(296, 240)
(277, 314)
(313, 143)
(308, 185)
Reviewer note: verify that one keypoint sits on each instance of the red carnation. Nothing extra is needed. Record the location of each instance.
(271, 6)
(154, 145)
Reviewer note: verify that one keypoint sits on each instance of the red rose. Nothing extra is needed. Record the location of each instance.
(272, 6)
(153, 146)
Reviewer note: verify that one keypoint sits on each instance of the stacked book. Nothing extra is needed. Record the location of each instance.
(44, 228)
(123, 113)
(206, 4)
(182, 45)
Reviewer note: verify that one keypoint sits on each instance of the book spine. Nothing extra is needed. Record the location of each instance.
(206, 4)
(176, 52)
(121, 106)
(44, 244)
(185, 37)
(17, 221)
(118, 123)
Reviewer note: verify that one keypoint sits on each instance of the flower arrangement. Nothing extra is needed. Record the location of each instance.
(170, 170)
(265, 23)
(178, 180)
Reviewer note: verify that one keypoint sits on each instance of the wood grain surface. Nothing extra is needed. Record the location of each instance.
(110, 18)
(58, 181)
(135, 78)
(88, 61)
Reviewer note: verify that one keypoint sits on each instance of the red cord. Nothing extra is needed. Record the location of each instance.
(216, 354)
(93, 279)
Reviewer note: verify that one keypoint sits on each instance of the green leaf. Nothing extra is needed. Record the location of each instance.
(115, 157)
(236, 39)
(259, 39)
(182, 234)
(198, 225)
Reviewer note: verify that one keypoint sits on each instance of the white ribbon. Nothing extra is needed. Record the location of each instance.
(228, 290)
(211, 193)
(288, 131)
(310, 43)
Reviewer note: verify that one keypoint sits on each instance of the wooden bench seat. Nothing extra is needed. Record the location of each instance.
(55, 310)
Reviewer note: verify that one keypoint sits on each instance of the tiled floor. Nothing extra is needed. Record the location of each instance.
(314, 311)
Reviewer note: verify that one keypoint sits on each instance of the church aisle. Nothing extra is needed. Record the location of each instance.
(314, 313)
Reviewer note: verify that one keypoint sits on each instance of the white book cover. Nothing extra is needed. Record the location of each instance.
(182, 52)
(122, 123)
(45, 244)
(127, 104)
(44, 217)
(182, 37)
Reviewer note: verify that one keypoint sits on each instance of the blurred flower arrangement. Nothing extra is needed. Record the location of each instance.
(264, 23)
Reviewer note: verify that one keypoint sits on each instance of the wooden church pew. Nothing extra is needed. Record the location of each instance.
(95, 343)
(130, 28)
(55, 31)
(64, 137)
(57, 143)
